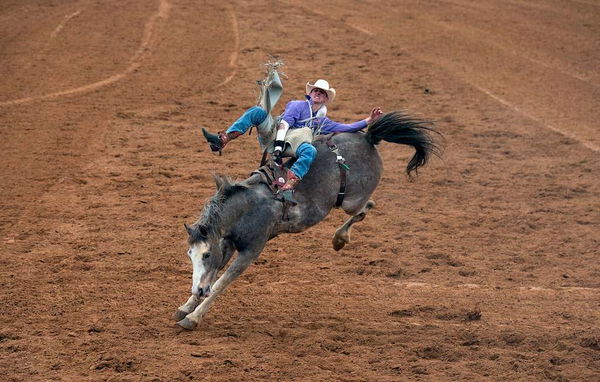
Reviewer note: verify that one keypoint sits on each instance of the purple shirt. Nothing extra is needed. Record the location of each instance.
(298, 114)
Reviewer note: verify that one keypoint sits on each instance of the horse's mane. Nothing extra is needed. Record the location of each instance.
(211, 216)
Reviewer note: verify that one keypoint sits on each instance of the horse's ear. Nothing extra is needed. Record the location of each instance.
(254, 179)
(221, 181)
(201, 229)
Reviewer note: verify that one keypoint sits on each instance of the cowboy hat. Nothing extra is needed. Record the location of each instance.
(321, 84)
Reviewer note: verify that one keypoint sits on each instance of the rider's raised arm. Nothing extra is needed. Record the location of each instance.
(330, 126)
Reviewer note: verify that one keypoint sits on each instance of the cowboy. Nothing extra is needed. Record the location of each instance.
(300, 121)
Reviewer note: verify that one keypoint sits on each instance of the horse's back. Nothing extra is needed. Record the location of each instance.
(322, 183)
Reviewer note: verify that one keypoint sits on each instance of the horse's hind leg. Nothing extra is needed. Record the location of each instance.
(342, 235)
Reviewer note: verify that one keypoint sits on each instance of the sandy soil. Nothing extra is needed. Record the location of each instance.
(485, 269)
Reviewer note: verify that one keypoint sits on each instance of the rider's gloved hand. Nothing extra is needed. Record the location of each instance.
(276, 154)
(278, 147)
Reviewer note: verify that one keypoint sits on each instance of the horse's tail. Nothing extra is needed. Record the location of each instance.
(397, 127)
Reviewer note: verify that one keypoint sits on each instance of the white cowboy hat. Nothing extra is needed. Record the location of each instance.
(321, 84)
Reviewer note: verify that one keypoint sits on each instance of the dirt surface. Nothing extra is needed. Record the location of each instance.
(484, 269)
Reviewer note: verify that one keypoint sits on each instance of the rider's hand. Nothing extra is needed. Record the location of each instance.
(376, 113)
(276, 155)
(277, 159)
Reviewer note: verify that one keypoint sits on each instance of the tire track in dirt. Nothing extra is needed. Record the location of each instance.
(28, 209)
(526, 288)
(564, 133)
(473, 36)
(149, 37)
(236, 47)
(586, 2)
(353, 26)
(60, 26)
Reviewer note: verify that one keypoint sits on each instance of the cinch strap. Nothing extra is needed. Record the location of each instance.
(342, 166)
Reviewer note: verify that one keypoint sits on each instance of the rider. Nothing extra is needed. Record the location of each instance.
(303, 119)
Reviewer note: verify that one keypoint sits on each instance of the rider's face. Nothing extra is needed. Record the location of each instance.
(319, 95)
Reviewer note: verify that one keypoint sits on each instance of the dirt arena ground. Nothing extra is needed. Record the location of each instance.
(484, 269)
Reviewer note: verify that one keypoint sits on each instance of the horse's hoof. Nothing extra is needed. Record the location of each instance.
(338, 243)
(180, 315)
(188, 324)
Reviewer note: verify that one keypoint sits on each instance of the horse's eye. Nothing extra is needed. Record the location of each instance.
(206, 255)
(189, 252)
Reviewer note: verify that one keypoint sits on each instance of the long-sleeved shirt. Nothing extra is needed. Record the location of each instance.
(299, 114)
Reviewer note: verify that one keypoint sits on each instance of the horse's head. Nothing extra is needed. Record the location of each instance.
(208, 250)
(210, 246)
(209, 254)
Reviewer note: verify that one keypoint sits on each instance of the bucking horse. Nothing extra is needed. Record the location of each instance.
(243, 216)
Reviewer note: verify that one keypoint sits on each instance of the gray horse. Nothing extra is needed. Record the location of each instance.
(243, 216)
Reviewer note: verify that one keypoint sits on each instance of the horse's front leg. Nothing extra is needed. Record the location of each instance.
(187, 308)
(239, 265)
(342, 235)
(192, 302)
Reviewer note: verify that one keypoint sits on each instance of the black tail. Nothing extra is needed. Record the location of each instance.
(398, 128)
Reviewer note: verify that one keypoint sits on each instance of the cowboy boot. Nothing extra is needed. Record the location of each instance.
(219, 140)
(287, 190)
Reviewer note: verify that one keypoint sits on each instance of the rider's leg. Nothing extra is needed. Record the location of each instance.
(305, 155)
(252, 117)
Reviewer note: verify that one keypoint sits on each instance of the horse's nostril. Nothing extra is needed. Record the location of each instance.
(200, 292)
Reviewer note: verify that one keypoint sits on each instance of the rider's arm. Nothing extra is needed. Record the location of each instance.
(330, 126)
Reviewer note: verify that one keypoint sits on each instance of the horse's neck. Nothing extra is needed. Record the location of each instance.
(240, 205)
(231, 211)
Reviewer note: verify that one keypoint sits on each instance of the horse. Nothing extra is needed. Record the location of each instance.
(242, 217)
